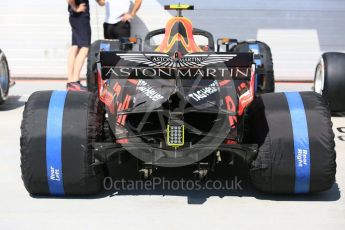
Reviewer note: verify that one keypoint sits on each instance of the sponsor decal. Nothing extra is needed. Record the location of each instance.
(190, 66)
(164, 60)
(171, 73)
(147, 90)
(205, 92)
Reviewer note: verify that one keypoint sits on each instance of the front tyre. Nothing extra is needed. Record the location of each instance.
(58, 132)
(4, 78)
(330, 80)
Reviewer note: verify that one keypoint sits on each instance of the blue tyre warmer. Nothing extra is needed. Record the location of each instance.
(58, 129)
(296, 143)
(54, 143)
(301, 142)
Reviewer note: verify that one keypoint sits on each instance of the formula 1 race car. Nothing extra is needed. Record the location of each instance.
(177, 104)
(4, 78)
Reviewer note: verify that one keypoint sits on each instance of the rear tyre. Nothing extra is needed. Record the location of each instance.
(264, 64)
(96, 47)
(296, 143)
(330, 80)
(4, 78)
(58, 132)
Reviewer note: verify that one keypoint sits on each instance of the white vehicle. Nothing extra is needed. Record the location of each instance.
(4, 78)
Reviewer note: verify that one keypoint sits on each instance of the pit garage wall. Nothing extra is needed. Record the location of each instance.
(35, 34)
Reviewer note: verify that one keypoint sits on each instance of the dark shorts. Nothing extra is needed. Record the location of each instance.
(81, 31)
(117, 31)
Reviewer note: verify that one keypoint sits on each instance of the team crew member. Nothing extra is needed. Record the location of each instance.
(79, 18)
(118, 17)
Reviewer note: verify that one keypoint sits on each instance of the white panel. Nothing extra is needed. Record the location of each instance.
(295, 52)
(36, 35)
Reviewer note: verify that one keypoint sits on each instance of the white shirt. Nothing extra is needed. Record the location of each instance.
(115, 9)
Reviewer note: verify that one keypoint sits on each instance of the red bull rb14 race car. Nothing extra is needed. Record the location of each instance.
(176, 104)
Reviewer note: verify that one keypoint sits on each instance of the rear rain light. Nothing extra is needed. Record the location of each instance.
(175, 135)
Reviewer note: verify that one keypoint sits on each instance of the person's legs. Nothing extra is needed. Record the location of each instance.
(71, 60)
(123, 30)
(117, 31)
(81, 39)
(79, 62)
(107, 31)
(114, 31)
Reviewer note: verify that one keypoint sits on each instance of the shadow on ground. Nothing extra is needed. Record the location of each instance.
(12, 103)
(223, 175)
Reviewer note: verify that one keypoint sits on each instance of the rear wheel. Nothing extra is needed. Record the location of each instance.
(58, 132)
(4, 78)
(96, 47)
(330, 80)
(296, 143)
(264, 64)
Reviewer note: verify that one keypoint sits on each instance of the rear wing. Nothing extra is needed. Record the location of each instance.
(135, 65)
